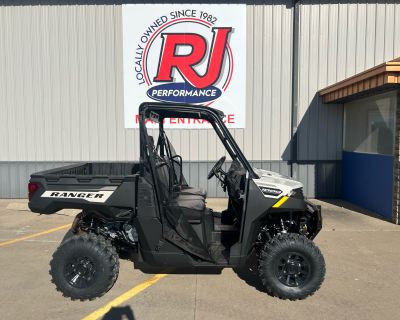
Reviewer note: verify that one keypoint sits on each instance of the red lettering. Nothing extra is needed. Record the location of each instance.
(185, 63)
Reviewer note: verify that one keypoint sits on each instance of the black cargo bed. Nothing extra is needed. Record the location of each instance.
(92, 169)
(88, 186)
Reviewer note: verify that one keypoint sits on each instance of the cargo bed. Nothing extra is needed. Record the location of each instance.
(95, 185)
(92, 169)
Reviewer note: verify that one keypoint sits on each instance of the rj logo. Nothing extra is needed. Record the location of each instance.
(185, 64)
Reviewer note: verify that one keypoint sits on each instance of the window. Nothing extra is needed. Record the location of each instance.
(369, 124)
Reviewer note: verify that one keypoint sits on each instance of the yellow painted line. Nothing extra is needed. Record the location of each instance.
(124, 297)
(280, 202)
(5, 243)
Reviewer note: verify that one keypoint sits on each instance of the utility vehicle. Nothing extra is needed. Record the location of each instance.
(147, 212)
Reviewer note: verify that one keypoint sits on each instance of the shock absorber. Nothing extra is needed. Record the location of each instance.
(303, 229)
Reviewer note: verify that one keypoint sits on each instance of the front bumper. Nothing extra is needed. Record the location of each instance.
(316, 218)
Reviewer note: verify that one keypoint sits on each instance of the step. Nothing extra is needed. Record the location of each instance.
(219, 253)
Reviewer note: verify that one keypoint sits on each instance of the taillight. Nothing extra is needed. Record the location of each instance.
(32, 187)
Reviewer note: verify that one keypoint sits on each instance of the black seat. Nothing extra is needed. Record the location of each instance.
(186, 190)
(191, 202)
(180, 185)
(192, 206)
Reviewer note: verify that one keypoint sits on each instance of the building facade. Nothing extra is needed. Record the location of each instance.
(61, 93)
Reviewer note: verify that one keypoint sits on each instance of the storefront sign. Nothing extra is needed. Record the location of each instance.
(185, 54)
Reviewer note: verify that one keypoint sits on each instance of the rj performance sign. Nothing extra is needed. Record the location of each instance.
(185, 53)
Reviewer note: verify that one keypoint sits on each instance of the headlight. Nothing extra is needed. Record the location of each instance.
(270, 191)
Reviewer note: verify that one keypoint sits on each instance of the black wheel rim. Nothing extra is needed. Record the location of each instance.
(80, 272)
(292, 269)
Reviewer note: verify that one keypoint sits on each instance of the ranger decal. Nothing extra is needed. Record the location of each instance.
(92, 196)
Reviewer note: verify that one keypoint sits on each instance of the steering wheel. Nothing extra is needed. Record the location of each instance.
(217, 168)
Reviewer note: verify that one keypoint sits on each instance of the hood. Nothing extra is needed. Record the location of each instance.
(275, 180)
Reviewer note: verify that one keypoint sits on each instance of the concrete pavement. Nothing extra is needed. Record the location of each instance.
(362, 282)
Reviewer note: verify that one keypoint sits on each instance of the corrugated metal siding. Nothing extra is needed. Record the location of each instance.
(61, 93)
(269, 68)
(14, 176)
(338, 40)
(321, 179)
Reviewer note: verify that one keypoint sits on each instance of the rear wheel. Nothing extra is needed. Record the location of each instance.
(291, 267)
(84, 267)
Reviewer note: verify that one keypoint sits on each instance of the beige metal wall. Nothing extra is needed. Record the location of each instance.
(61, 92)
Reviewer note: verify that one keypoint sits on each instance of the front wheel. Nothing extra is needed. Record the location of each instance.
(84, 266)
(291, 267)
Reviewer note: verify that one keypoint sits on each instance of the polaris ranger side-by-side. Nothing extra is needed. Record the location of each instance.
(147, 212)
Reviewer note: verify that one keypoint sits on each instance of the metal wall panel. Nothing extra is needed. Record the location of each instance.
(321, 179)
(61, 93)
(336, 41)
(14, 176)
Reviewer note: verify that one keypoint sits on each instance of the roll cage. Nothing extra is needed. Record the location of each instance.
(157, 112)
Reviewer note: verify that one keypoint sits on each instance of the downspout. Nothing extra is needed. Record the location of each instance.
(295, 94)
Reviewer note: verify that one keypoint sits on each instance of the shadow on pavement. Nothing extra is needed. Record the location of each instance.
(119, 313)
(353, 207)
(189, 270)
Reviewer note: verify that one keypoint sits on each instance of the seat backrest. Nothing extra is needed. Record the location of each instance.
(163, 171)
(176, 162)
(151, 140)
